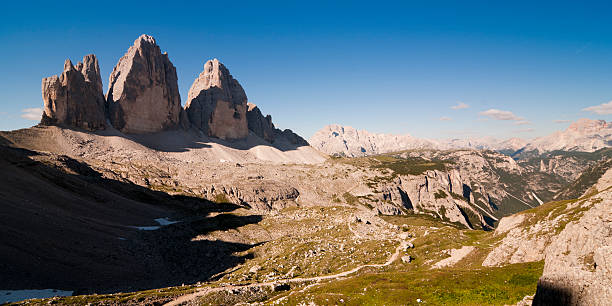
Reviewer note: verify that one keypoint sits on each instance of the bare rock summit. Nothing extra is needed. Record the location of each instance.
(75, 97)
(217, 104)
(143, 95)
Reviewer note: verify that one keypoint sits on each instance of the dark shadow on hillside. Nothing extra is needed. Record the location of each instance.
(549, 293)
(182, 141)
(66, 227)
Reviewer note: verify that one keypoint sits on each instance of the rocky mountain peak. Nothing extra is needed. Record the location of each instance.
(145, 39)
(90, 70)
(143, 95)
(68, 65)
(346, 140)
(585, 125)
(215, 74)
(75, 97)
(217, 104)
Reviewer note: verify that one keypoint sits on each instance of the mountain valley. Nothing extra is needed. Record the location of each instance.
(129, 198)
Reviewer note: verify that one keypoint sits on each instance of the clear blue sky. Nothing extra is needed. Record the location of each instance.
(376, 65)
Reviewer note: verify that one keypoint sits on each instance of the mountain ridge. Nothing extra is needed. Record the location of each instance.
(584, 135)
(143, 98)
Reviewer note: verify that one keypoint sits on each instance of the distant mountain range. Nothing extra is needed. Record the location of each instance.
(584, 135)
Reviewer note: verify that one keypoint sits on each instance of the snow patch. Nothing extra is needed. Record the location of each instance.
(160, 221)
(9, 296)
(165, 221)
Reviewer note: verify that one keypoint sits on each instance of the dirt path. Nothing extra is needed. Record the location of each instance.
(205, 291)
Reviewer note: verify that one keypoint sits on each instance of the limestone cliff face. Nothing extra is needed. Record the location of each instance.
(143, 95)
(217, 104)
(264, 195)
(578, 263)
(573, 237)
(258, 124)
(444, 193)
(75, 97)
(528, 236)
(471, 187)
(264, 128)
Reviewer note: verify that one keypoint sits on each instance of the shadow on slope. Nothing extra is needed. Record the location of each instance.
(66, 227)
(183, 141)
(549, 293)
(167, 141)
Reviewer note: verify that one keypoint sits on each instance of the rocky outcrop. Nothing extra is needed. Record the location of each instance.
(456, 255)
(264, 195)
(260, 125)
(521, 243)
(143, 95)
(441, 193)
(264, 128)
(217, 104)
(460, 185)
(527, 236)
(75, 97)
(291, 137)
(578, 264)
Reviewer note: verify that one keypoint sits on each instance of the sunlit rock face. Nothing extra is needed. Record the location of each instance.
(143, 95)
(75, 97)
(217, 104)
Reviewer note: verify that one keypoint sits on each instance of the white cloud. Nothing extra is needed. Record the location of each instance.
(444, 118)
(34, 113)
(460, 105)
(522, 122)
(500, 115)
(602, 109)
(562, 121)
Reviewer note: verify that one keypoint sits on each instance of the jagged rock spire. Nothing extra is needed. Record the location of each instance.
(75, 97)
(143, 95)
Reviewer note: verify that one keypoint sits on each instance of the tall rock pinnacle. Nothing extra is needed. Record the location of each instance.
(217, 104)
(75, 97)
(143, 95)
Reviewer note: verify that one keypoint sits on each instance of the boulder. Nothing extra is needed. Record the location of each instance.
(75, 97)
(217, 104)
(143, 95)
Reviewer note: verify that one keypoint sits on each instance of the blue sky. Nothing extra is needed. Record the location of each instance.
(393, 67)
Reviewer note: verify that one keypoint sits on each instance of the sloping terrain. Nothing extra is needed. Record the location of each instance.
(66, 227)
(252, 230)
(574, 239)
